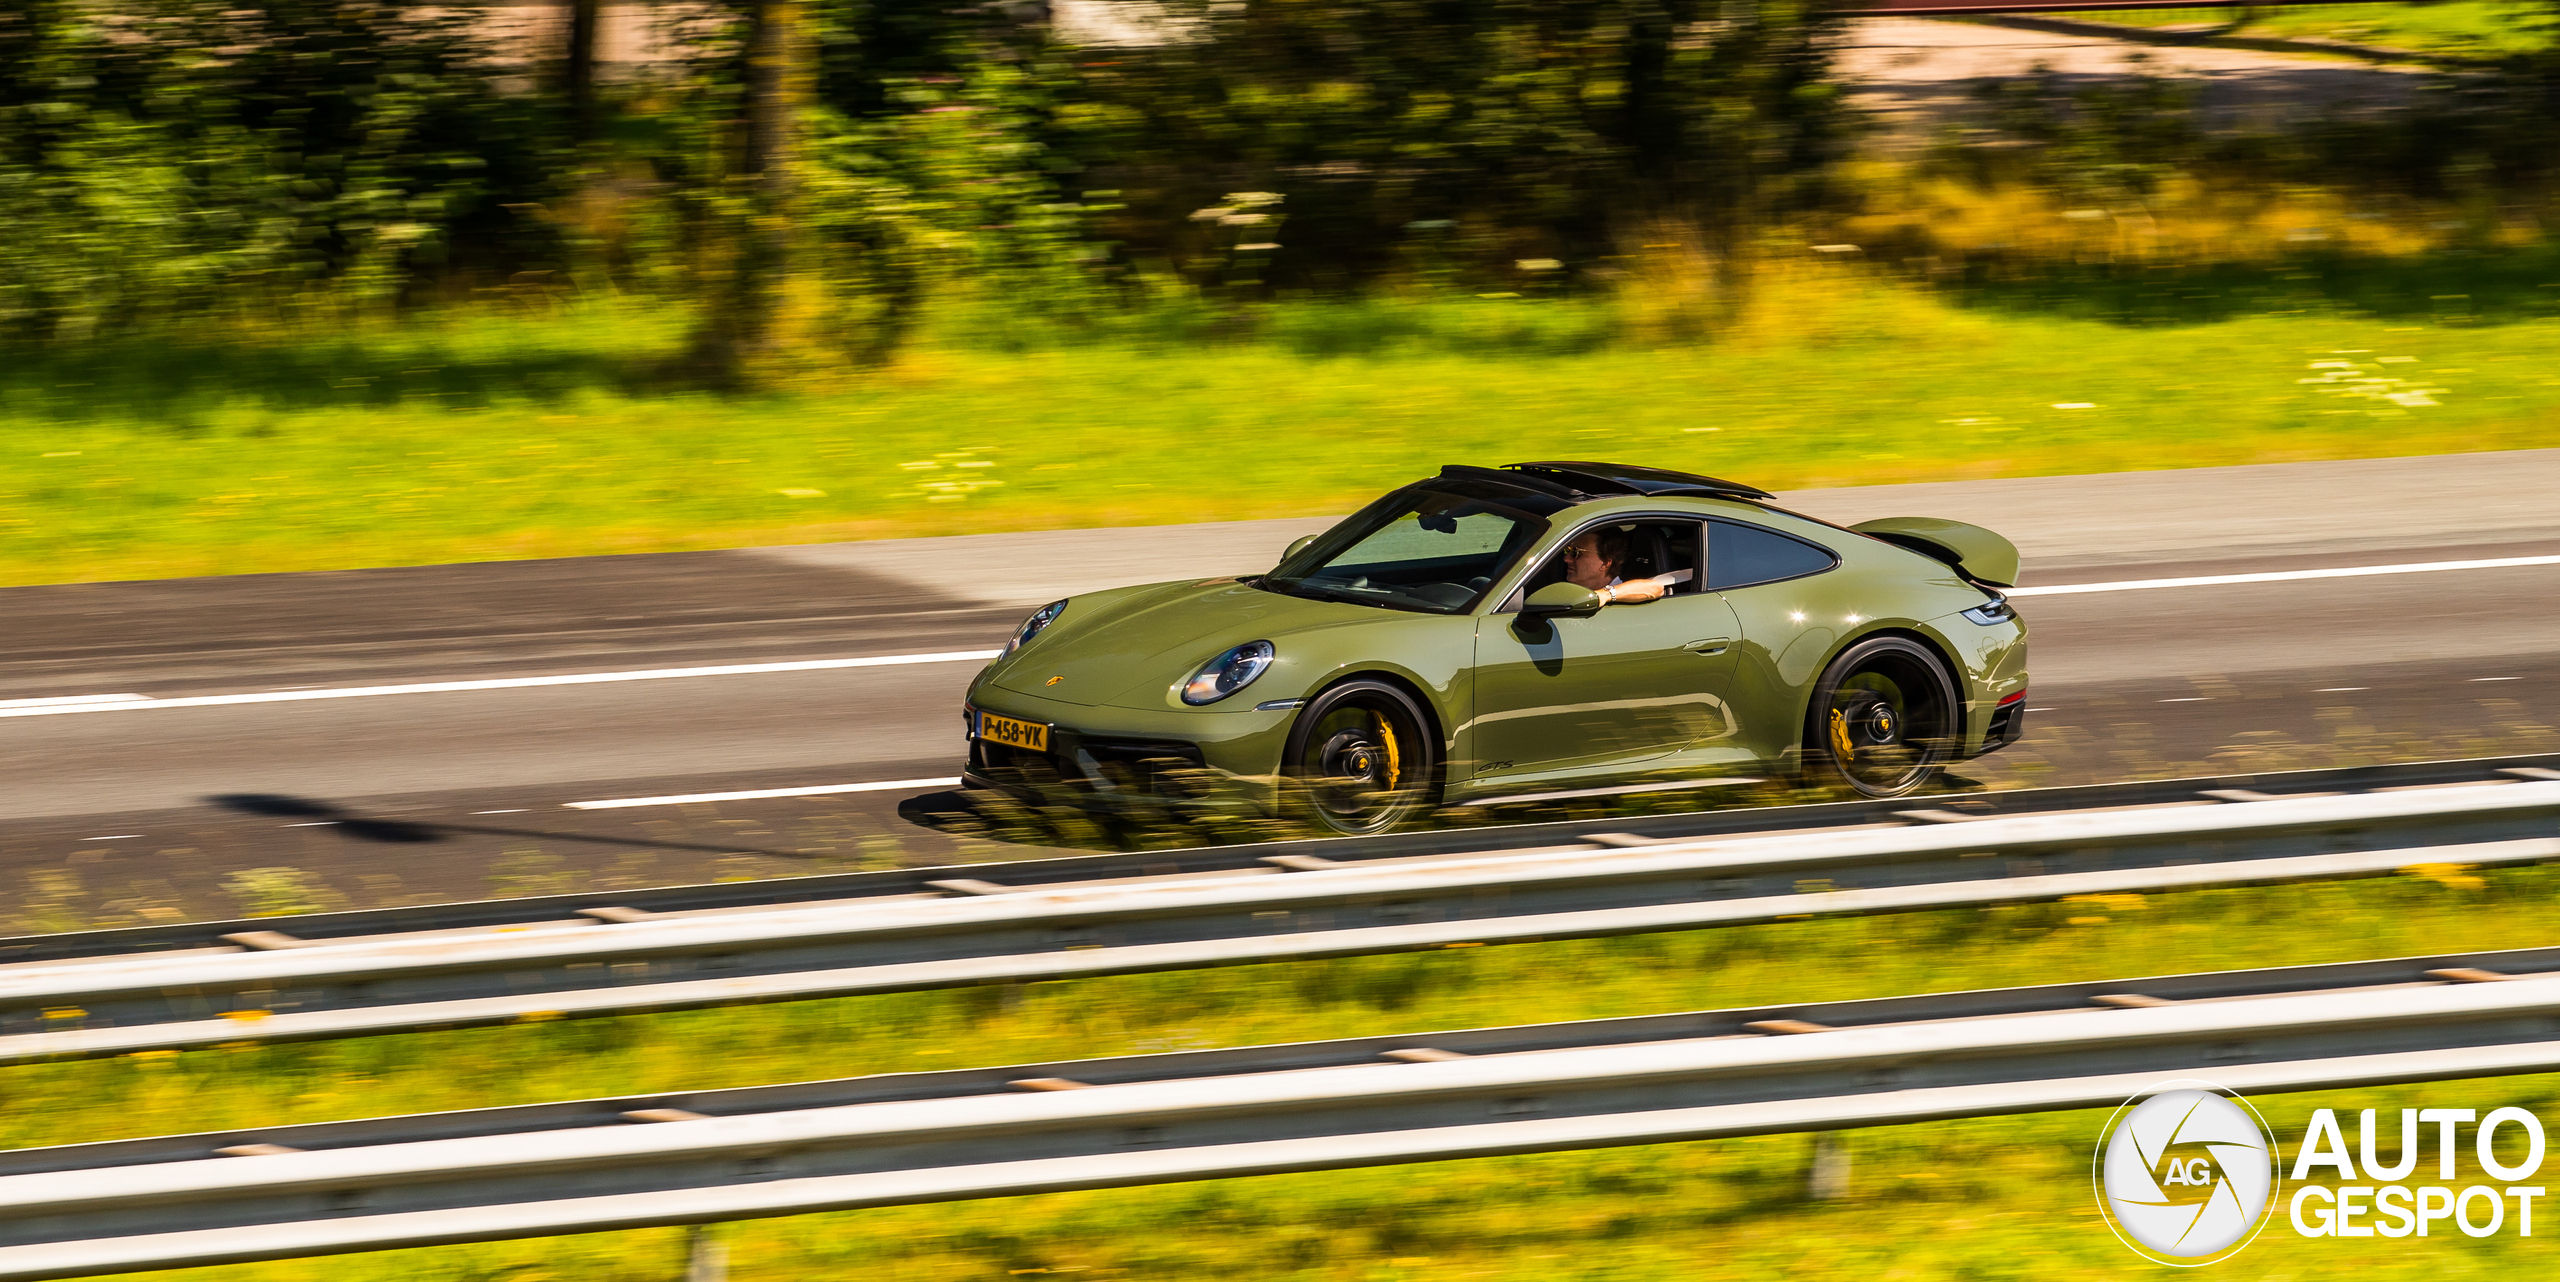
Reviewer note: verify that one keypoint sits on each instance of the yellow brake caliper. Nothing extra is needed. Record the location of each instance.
(1840, 735)
(1395, 758)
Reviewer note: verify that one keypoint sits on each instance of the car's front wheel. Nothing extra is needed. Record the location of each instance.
(1884, 719)
(1360, 759)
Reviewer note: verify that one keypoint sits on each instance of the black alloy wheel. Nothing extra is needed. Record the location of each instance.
(1361, 760)
(1884, 719)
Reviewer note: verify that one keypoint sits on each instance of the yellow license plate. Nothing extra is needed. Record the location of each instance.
(1028, 735)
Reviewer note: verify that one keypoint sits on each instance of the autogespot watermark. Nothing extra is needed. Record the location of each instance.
(2187, 1174)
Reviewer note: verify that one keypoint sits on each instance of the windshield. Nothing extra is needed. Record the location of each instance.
(1413, 550)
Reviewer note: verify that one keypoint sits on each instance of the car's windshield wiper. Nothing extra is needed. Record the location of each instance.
(1310, 591)
(1321, 592)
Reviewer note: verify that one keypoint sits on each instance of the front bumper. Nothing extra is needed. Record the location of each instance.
(1128, 758)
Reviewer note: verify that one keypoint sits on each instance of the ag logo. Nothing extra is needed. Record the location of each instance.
(2186, 1173)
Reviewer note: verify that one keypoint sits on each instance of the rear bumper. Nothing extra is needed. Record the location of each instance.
(2008, 725)
(1991, 672)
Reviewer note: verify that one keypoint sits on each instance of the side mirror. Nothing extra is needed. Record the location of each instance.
(1297, 545)
(1561, 598)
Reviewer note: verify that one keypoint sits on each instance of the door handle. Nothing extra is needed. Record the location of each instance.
(1712, 645)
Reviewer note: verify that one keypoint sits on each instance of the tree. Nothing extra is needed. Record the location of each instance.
(578, 68)
(749, 330)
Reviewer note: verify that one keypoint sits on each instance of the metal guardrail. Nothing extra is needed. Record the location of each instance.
(623, 961)
(279, 1192)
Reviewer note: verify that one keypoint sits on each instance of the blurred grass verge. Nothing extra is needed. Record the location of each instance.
(1930, 1201)
(490, 437)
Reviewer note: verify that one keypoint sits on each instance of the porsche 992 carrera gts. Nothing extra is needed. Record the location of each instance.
(1455, 643)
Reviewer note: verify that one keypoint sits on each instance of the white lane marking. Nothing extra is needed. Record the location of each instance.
(620, 803)
(127, 703)
(122, 836)
(2286, 576)
(2189, 699)
(2339, 689)
(2476, 679)
(517, 811)
(64, 700)
(316, 823)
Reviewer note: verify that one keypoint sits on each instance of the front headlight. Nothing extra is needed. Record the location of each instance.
(1030, 628)
(1228, 673)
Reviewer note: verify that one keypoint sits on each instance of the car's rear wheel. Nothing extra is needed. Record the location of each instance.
(1361, 759)
(1884, 719)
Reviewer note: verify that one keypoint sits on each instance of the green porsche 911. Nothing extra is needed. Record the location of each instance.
(1501, 634)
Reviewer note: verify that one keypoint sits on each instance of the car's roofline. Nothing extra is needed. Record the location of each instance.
(1699, 505)
(1601, 479)
(1705, 504)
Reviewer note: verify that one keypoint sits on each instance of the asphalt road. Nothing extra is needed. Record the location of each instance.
(160, 809)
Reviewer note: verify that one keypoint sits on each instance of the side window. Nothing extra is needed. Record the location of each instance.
(1740, 555)
(1640, 549)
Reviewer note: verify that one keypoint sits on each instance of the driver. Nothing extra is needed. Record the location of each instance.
(1592, 558)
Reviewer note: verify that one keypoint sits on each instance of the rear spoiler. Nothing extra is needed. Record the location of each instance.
(1976, 553)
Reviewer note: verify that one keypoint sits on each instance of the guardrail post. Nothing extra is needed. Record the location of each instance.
(706, 1256)
(1828, 1178)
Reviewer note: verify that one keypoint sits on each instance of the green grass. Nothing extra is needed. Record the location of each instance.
(2460, 28)
(485, 438)
(1984, 1199)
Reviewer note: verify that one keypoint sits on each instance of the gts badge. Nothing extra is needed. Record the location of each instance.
(1491, 766)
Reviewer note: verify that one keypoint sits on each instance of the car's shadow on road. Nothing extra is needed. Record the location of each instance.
(361, 827)
(1053, 820)
(982, 825)
(1036, 827)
